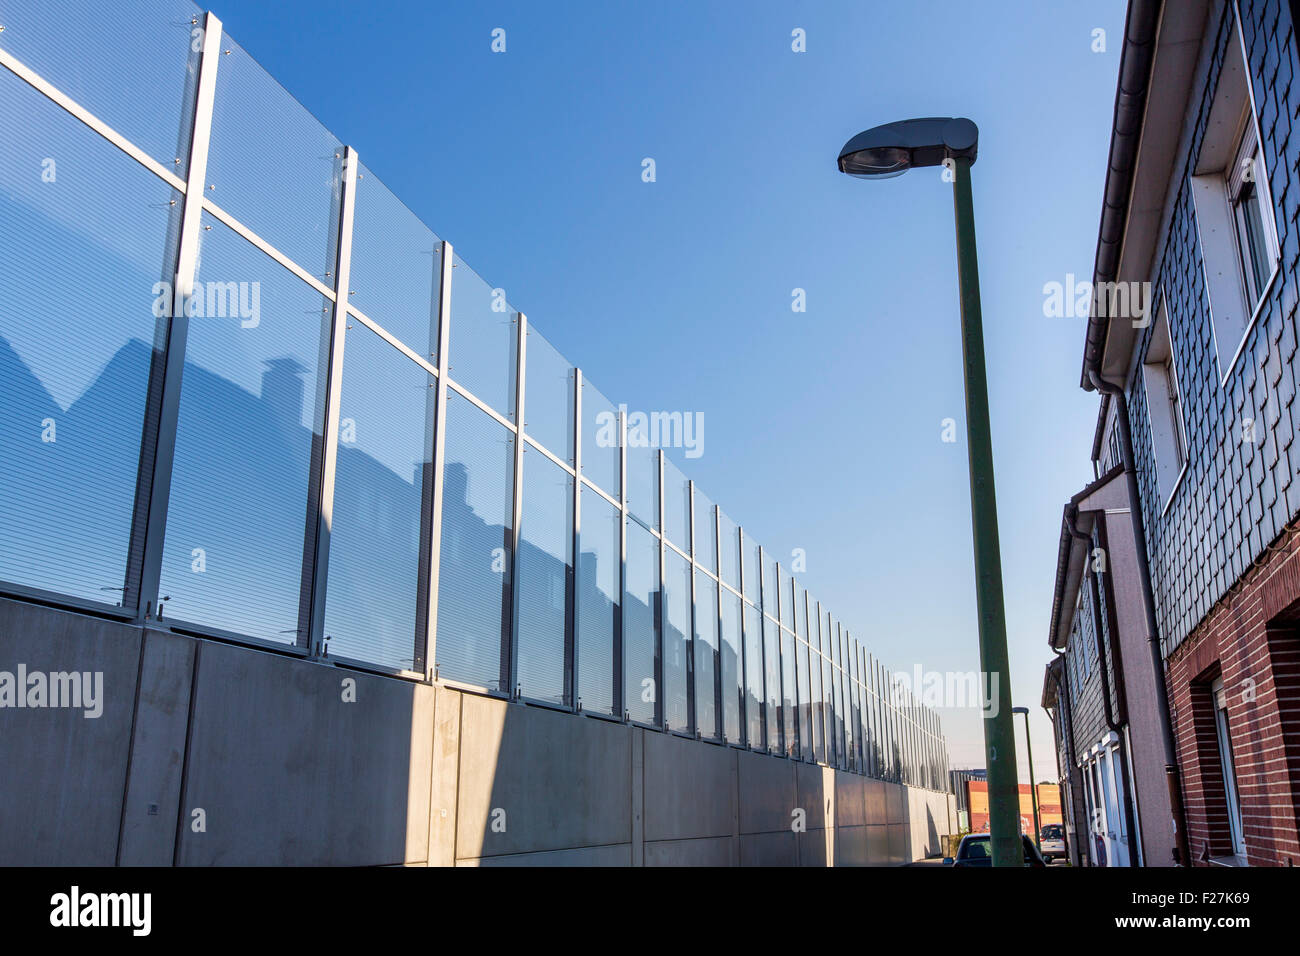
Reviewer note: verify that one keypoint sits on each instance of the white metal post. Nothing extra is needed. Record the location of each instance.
(152, 499)
(318, 575)
(439, 458)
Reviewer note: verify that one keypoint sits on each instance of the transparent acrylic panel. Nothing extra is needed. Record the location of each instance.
(382, 496)
(855, 663)
(850, 737)
(815, 661)
(788, 695)
(753, 569)
(729, 551)
(706, 533)
(677, 506)
(484, 341)
(731, 665)
(132, 66)
(545, 576)
(786, 597)
(74, 371)
(641, 625)
(805, 705)
(873, 735)
(706, 656)
(643, 482)
(474, 575)
(772, 674)
(249, 427)
(770, 589)
(600, 440)
(396, 267)
(677, 641)
(840, 720)
(548, 396)
(798, 618)
(598, 604)
(814, 625)
(754, 699)
(830, 751)
(272, 166)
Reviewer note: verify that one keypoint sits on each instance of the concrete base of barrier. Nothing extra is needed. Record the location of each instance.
(206, 753)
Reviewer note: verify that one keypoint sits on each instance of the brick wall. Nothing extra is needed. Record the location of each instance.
(1252, 641)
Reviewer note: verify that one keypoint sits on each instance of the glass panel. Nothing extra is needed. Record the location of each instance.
(772, 674)
(706, 655)
(272, 166)
(837, 675)
(545, 562)
(378, 554)
(770, 585)
(706, 532)
(600, 440)
(677, 640)
(805, 707)
(132, 66)
(677, 506)
(828, 714)
(548, 397)
(641, 624)
(752, 570)
(396, 267)
(753, 679)
(250, 423)
(598, 604)
(788, 694)
(643, 483)
(850, 737)
(786, 597)
(484, 343)
(74, 376)
(815, 662)
(732, 661)
(729, 553)
(474, 581)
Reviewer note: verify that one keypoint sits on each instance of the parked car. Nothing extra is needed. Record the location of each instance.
(975, 850)
(1051, 840)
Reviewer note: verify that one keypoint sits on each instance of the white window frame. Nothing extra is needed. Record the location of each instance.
(1227, 765)
(1166, 411)
(1232, 135)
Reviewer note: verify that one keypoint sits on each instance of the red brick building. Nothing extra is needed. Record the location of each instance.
(1198, 382)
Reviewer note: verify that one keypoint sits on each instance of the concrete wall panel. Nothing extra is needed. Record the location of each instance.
(713, 851)
(557, 780)
(767, 793)
(64, 773)
(687, 788)
(618, 855)
(768, 849)
(812, 794)
(153, 793)
(288, 772)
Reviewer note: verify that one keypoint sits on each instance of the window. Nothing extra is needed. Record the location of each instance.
(1164, 406)
(1234, 210)
(1250, 213)
(1229, 769)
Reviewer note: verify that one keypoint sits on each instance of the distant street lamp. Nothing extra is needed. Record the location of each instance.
(1033, 786)
(891, 150)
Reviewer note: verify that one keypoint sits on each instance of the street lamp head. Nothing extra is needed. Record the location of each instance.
(1019, 710)
(894, 148)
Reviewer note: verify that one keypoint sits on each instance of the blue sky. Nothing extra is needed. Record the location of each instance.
(823, 428)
